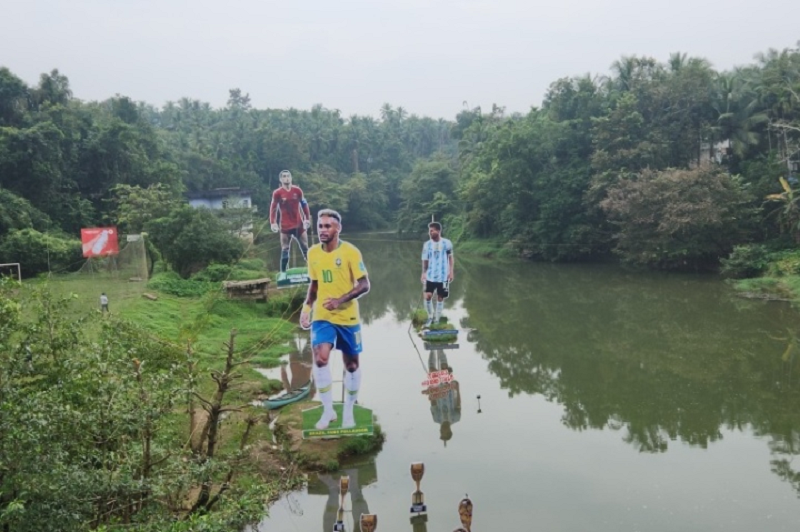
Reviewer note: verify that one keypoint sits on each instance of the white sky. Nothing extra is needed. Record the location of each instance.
(353, 55)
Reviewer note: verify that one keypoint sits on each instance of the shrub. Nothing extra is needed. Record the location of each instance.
(679, 219)
(189, 239)
(785, 263)
(749, 260)
(213, 273)
(39, 252)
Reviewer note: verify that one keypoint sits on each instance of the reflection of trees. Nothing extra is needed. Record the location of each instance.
(394, 268)
(660, 357)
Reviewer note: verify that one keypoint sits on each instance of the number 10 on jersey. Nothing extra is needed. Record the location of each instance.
(327, 276)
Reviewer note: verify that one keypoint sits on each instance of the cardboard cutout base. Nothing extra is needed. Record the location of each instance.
(363, 417)
(430, 346)
(292, 277)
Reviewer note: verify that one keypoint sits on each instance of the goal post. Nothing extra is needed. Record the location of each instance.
(10, 266)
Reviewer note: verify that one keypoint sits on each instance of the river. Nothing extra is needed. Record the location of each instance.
(610, 400)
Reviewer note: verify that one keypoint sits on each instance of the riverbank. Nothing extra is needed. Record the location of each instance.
(771, 288)
(762, 274)
(487, 247)
(196, 331)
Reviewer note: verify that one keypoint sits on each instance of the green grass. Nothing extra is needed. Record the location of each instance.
(770, 287)
(263, 328)
(362, 416)
(207, 322)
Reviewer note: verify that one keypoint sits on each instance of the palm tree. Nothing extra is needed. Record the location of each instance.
(738, 111)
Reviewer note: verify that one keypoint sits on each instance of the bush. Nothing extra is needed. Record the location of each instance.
(189, 239)
(39, 252)
(214, 273)
(745, 261)
(679, 219)
(784, 263)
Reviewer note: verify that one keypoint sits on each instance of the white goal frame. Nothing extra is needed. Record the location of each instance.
(19, 270)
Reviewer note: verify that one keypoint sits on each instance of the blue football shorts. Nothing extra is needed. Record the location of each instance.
(346, 338)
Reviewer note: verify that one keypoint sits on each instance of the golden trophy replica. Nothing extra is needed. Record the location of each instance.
(465, 513)
(344, 484)
(369, 522)
(418, 498)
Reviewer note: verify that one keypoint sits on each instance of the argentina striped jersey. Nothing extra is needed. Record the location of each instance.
(437, 253)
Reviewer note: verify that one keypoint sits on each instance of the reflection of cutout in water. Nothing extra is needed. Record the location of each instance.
(361, 475)
(300, 360)
(445, 398)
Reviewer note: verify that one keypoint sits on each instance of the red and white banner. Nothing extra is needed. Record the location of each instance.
(99, 241)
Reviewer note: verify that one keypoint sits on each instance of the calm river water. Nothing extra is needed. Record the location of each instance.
(609, 401)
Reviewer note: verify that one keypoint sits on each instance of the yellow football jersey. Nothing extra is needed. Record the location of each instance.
(336, 273)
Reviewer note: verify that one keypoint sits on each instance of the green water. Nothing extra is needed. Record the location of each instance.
(609, 401)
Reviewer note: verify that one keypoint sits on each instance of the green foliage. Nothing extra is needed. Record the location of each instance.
(534, 183)
(89, 438)
(18, 213)
(134, 206)
(747, 260)
(784, 263)
(189, 239)
(681, 219)
(39, 252)
(428, 191)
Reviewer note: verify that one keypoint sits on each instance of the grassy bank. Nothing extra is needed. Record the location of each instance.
(759, 272)
(776, 288)
(486, 247)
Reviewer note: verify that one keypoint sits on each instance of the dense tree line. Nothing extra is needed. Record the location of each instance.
(667, 164)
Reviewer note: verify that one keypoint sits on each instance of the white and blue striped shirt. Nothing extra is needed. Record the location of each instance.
(437, 253)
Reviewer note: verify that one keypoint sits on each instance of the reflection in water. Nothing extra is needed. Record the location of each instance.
(659, 361)
(361, 475)
(649, 401)
(657, 357)
(300, 360)
(445, 397)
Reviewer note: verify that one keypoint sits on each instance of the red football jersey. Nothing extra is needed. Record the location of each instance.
(289, 202)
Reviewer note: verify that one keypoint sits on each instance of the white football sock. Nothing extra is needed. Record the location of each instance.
(352, 382)
(429, 308)
(324, 384)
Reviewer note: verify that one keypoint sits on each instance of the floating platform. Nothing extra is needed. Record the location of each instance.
(440, 338)
(363, 418)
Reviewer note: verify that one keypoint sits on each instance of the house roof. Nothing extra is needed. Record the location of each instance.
(219, 193)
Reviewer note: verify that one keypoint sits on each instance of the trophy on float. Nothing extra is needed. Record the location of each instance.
(465, 513)
(418, 498)
(344, 484)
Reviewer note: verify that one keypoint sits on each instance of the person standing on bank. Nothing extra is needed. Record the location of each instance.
(338, 278)
(437, 271)
(295, 216)
(103, 302)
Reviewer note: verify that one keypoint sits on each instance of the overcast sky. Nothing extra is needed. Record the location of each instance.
(429, 56)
